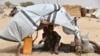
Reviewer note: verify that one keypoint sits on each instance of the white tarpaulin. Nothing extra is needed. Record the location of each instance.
(96, 13)
(26, 21)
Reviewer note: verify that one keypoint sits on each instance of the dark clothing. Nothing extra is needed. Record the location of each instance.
(51, 39)
(46, 42)
(54, 38)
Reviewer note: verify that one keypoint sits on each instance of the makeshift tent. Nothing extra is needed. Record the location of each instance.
(96, 14)
(27, 21)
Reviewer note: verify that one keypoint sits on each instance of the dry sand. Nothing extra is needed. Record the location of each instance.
(86, 25)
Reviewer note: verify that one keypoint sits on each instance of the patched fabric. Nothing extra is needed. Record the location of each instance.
(27, 21)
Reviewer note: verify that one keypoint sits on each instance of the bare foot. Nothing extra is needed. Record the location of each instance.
(56, 52)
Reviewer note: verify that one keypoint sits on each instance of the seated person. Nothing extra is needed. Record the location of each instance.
(45, 39)
(54, 39)
(51, 39)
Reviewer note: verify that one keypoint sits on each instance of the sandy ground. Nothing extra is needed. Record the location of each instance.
(86, 25)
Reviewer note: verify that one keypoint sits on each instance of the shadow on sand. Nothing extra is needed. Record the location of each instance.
(10, 49)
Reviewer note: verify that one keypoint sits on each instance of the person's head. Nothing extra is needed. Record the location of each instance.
(50, 27)
(14, 8)
(45, 29)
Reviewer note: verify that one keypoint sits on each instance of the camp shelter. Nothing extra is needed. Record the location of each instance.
(27, 21)
(96, 14)
(90, 10)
